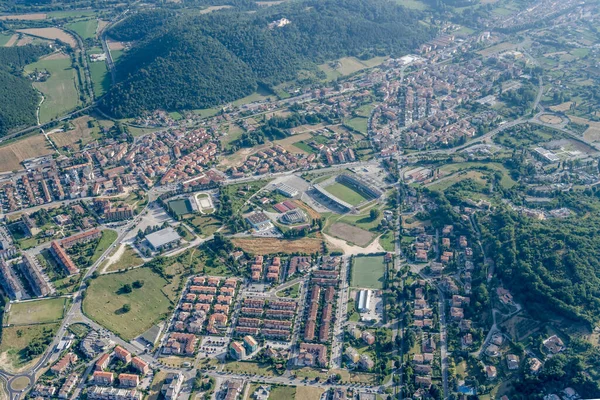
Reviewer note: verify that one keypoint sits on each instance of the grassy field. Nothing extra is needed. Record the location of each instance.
(348, 65)
(16, 338)
(86, 28)
(247, 368)
(208, 225)
(100, 77)
(387, 241)
(108, 237)
(445, 183)
(4, 38)
(282, 393)
(345, 193)
(414, 4)
(12, 154)
(308, 393)
(358, 123)
(506, 181)
(104, 302)
(37, 312)
(291, 292)
(128, 259)
(60, 91)
(368, 272)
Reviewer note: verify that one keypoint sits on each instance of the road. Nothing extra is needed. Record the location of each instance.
(337, 344)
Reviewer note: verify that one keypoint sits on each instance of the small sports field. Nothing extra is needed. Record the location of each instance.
(368, 272)
(180, 207)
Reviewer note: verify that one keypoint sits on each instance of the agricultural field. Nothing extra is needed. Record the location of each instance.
(105, 299)
(368, 272)
(262, 246)
(12, 154)
(60, 90)
(86, 28)
(414, 4)
(592, 133)
(351, 234)
(345, 193)
(24, 17)
(51, 34)
(100, 77)
(80, 135)
(36, 312)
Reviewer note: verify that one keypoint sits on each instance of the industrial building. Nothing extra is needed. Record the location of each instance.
(162, 239)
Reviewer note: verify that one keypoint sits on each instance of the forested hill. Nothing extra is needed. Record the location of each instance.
(18, 99)
(551, 265)
(185, 62)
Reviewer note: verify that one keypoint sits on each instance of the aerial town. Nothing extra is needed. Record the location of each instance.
(421, 226)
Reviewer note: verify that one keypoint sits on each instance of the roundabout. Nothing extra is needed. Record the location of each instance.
(551, 119)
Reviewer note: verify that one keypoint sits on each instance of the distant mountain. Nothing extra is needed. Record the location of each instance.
(184, 62)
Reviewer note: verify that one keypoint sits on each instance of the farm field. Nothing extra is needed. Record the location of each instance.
(12, 154)
(100, 77)
(24, 17)
(86, 28)
(345, 193)
(81, 132)
(368, 272)
(351, 234)
(37, 312)
(348, 65)
(104, 302)
(60, 91)
(4, 38)
(51, 34)
(15, 339)
(262, 246)
(593, 132)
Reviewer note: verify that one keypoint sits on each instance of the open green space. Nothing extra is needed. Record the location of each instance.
(59, 90)
(108, 238)
(4, 38)
(205, 225)
(105, 298)
(291, 292)
(79, 329)
(414, 4)
(22, 344)
(368, 272)
(345, 193)
(246, 367)
(71, 14)
(282, 393)
(36, 312)
(100, 77)
(507, 181)
(387, 241)
(86, 28)
(359, 124)
(446, 182)
(128, 259)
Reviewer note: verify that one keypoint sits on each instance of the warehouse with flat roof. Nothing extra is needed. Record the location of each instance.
(162, 239)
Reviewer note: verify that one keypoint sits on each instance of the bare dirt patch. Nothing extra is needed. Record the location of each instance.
(115, 45)
(24, 17)
(262, 246)
(52, 34)
(11, 155)
(551, 119)
(311, 213)
(238, 158)
(351, 234)
(348, 249)
(12, 41)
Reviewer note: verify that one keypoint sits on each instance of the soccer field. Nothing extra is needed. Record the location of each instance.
(368, 272)
(345, 193)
